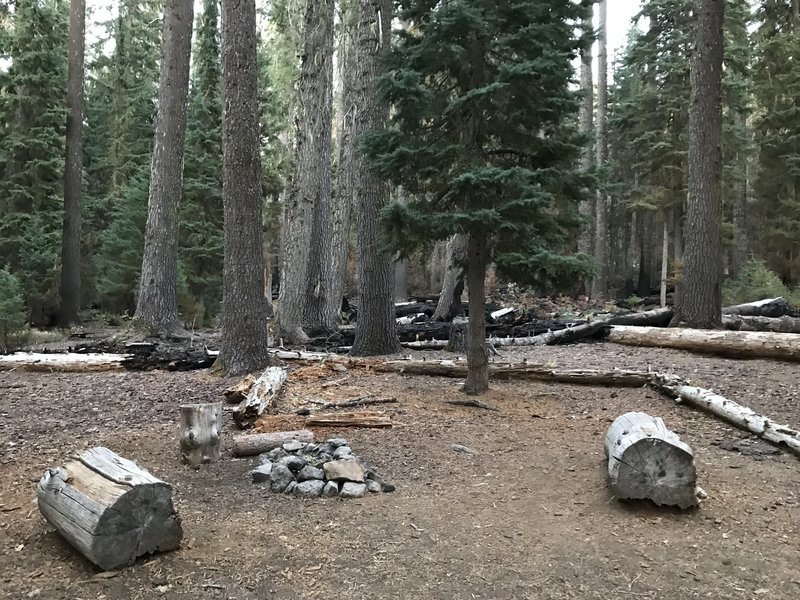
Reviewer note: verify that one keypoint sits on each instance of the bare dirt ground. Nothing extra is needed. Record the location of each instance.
(529, 515)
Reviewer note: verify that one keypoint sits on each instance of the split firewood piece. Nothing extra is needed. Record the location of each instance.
(256, 443)
(238, 391)
(732, 412)
(647, 461)
(111, 510)
(471, 403)
(200, 433)
(261, 396)
(350, 419)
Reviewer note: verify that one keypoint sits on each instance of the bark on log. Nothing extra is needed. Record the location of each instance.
(256, 443)
(776, 325)
(372, 420)
(647, 461)
(62, 363)
(109, 509)
(234, 394)
(737, 344)
(260, 397)
(200, 433)
(769, 307)
(730, 411)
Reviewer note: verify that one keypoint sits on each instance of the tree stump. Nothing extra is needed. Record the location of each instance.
(648, 461)
(109, 509)
(458, 335)
(200, 433)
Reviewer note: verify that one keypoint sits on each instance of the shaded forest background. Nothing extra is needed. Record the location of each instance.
(644, 179)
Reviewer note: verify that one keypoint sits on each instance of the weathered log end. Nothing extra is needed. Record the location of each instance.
(647, 461)
(262, 395)
(200, 433)
(109, 509)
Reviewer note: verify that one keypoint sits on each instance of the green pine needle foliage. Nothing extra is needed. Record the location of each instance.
(483, 133)
(756, 282)
(12, 310)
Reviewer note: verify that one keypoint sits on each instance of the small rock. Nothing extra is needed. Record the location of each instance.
(336, 442)
(324, 457)
(276, 454)
(303, 412)
(331, 489)
(280, 477)
(294, 462)
(309, 489)
(290, 488)
(311, 448)
(460, 448)
(261, 473)
(350, 489)
(308, 473)
(343, 470)
(325, 448)
(264, 459)
(386, 487)
(293, 445)
(373, 486)
(342, 452)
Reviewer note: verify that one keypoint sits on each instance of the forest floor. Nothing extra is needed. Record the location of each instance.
(529, 515)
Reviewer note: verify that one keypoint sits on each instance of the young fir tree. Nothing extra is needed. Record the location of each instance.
(32, 121)
(483, 133)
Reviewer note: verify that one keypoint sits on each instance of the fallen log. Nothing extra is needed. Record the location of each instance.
(737, 344)
(63, 363)
(261, 396)
(647, 461)
(373, 420)
(783, 324)
(200, 433)
(111, 510)
(238, 391)
(730, 411)
(769, 307)
(256, 443)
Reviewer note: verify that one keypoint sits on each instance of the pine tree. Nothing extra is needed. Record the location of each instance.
(483, 133)
(32, 117)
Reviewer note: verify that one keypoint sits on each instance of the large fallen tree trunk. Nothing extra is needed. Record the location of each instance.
(64, 363)
(729, 411)
(256, 443)
(775, 325)
(109, 509)
(260, 397)
(770, 307)
(647, 461)
(367, 419)
(737, 344)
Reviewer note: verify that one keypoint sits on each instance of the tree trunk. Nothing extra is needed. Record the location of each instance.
(375, 328)
(244, 309)
(664, 264)
(585, 119)
(200, 433)
(647, 461)
(437, 266)
(700, 302)
(401, 264)
(740, 250)
(477, 359)
(600, 281)
(303, 277)
(70, 288)
(111, 510)
(157, 306)
(456, 250)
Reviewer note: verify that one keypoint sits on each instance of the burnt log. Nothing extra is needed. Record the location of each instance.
(769, 307)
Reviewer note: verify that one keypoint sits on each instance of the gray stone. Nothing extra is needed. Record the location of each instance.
(308, 472)
(311, 448)
(342, 452)
(373, 476)
(280, 477)
(264, 459)
(294, 462)
(336, 442)
(261, 473)
(351, 489)
(331, 489)
(462, 449)
(326, 448)
(373, 486)
(309, 489)
(276, 454)
(293, 445)
(325, 457)
(343, 470)
(290, 488)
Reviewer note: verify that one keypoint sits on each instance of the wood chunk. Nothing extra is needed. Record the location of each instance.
(471, 403)
(200, 433)
(261, 396)
(647, 461)
(238, 392)
(256, 443)
(111, 510)
(350, 419)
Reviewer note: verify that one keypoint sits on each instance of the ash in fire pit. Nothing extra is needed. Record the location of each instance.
(310, 470)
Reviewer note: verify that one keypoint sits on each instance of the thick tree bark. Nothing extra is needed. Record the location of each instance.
(700, 302)
(585, 118)
(244, 309)
(401, 264)
(306, 243)
(740, 250)
(157, 306)
(600, 281)
(375, 328)
(477, 359)
(70, 288)
(456, 250)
